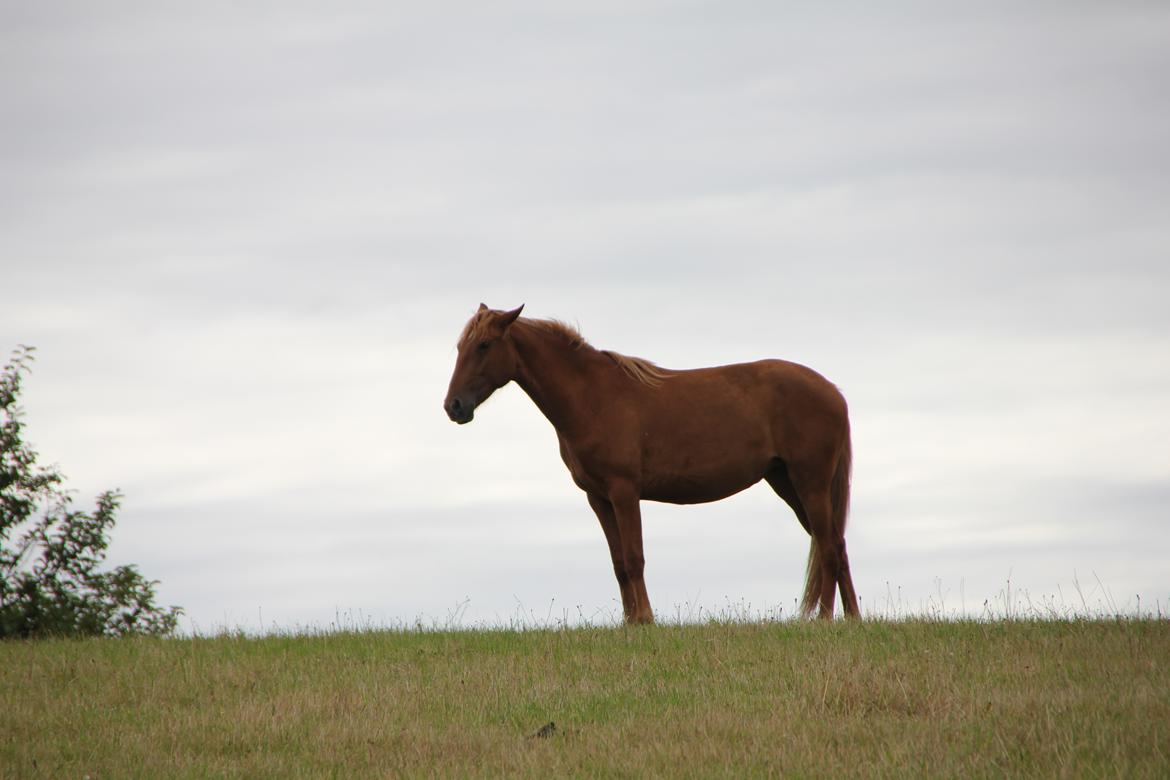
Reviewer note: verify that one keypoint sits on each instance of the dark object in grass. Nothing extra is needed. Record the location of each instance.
(545, 731)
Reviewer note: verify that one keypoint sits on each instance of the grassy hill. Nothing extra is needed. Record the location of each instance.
(866, 698)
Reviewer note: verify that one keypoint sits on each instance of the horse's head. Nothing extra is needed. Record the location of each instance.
(486, 361)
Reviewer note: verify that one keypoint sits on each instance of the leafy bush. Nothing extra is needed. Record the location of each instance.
(50, 584)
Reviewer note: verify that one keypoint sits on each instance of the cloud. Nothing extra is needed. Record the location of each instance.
(246, 239)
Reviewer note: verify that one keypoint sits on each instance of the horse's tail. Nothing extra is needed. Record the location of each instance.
(839, 490)
(812, 580)
(839, 496)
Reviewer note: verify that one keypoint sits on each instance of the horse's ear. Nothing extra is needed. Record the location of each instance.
(510, 316)
(482, 307)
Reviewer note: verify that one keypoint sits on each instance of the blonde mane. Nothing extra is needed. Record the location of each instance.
(569, 333)
(638, 369)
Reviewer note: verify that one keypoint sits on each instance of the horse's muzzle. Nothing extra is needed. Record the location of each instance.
(459, 410)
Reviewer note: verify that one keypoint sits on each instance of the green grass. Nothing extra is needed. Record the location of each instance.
(873, 698)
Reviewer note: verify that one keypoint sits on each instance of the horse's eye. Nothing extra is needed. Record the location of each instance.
(482, 347)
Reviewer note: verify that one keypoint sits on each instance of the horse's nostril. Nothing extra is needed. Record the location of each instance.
(456, 406)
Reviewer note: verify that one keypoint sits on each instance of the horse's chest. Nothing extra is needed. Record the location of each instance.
(591, 470)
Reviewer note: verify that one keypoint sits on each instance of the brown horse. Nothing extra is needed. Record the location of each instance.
(630, 430)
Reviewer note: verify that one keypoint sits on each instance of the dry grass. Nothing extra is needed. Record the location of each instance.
(891, 699)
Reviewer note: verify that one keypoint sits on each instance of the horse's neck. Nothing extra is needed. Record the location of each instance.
(555, 375)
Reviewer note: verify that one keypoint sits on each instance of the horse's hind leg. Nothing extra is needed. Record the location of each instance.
(845, 581)
(825, 554)
(828, 560)
(829, 540)
(777, 477)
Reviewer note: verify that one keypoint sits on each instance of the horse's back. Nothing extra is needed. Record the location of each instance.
(735, 420)
(764, 385)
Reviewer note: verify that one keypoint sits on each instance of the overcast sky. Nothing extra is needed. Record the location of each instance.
(244, 239)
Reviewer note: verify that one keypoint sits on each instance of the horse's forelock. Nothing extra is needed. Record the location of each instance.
(476, 327)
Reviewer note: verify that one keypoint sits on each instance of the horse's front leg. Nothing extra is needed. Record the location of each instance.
(605, 515)
(629, 523)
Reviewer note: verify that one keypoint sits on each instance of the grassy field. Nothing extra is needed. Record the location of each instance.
(927, 698)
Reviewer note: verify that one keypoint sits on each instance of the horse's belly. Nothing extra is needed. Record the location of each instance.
(699, 486)
(686, 462)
